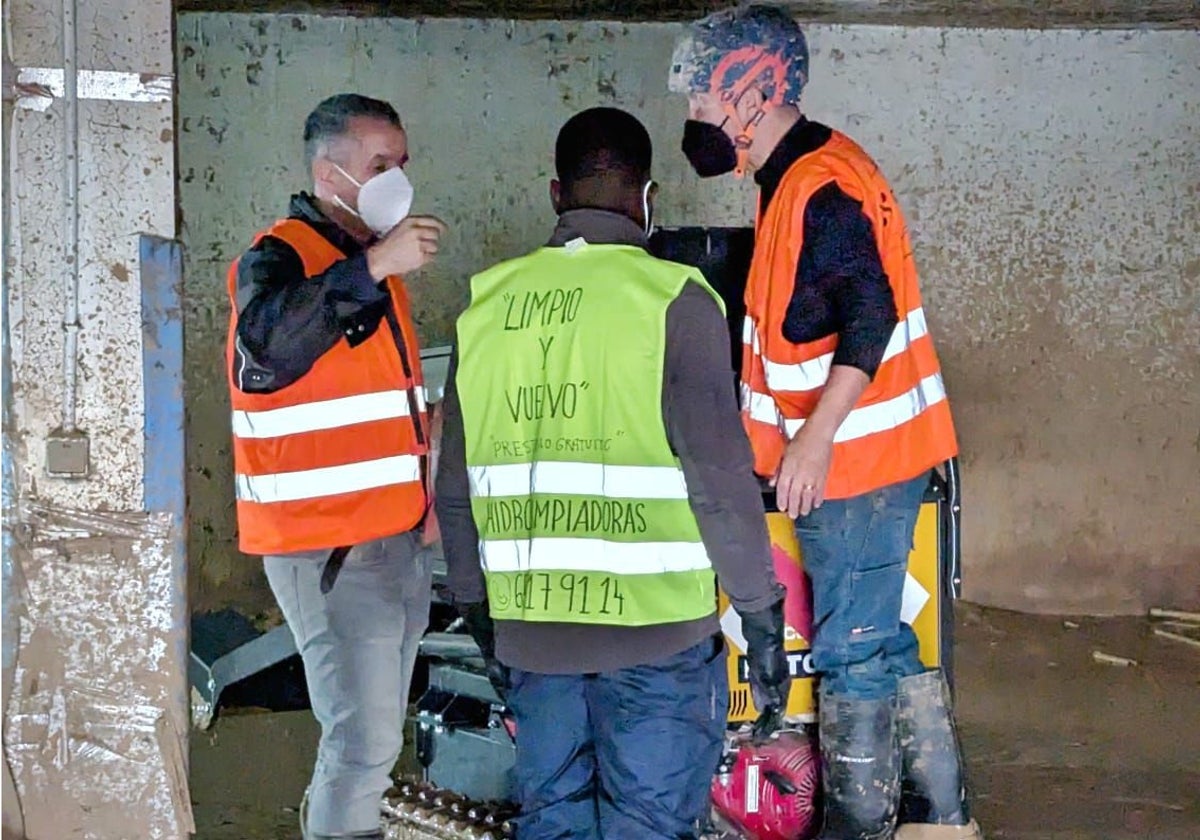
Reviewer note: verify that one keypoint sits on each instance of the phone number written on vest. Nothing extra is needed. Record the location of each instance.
(557, 594)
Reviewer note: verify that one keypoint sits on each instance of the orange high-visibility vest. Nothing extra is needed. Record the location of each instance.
(901, 426)
(337, 457)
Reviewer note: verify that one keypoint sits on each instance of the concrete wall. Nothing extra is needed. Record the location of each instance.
(1051, 180)
(95, 726)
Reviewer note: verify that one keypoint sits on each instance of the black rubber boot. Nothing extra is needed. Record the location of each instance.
(932, 788)
(860, 767)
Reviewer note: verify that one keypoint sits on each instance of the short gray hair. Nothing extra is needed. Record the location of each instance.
(331, 119)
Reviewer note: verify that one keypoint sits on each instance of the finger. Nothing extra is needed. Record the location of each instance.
(429, 218)
(819, 495)
(782, 484)
(429, 222)
(419, 234)
(793, 496)
(795, 499)
(809, 494)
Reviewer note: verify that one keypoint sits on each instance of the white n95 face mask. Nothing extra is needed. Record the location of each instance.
(383, 201)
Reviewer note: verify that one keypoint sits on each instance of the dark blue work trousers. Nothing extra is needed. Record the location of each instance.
(621, 755)
(856, 553)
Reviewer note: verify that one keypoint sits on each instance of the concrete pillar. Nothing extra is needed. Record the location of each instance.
(95, 728)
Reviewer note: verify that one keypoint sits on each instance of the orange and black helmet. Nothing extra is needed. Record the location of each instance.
(728, 52)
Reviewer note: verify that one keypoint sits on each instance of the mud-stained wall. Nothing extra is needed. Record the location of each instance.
(1051, 180)
(95, 719)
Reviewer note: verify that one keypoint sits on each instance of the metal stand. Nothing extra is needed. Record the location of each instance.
(946, 489)
(211, 670)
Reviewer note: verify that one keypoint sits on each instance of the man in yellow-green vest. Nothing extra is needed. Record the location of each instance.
(595, 483)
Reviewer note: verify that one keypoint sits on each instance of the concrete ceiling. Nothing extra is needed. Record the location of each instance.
(1035, 14)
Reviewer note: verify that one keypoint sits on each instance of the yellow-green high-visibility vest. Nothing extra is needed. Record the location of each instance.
(581, 505)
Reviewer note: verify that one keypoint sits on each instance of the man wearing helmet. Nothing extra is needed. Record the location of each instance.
(843, 400)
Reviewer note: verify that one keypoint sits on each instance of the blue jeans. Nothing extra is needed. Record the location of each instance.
(359, 645)
(856, 553)
(623, 755)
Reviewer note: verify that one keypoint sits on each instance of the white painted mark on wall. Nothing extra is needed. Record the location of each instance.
(38, 87)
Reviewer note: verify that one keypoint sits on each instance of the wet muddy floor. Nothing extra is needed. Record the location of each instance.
(1060, 746)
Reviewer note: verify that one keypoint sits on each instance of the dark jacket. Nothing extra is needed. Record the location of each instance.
(287, 321)
(840, 283)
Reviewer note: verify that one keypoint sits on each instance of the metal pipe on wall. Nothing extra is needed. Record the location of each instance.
(70, 320)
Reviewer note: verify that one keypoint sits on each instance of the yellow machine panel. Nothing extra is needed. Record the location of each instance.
(922, 609)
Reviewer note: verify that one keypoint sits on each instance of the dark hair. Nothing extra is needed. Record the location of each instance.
(602, 143)
(331, 119)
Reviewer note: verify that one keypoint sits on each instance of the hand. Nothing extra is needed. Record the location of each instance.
(770, 679)
(768, 722)
(483, 630)
(408, 246)
(800, 482)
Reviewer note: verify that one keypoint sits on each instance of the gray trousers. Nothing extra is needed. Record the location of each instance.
(359, 645)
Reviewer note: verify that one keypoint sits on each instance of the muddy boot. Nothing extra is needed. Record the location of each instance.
(860, 767)
(932, 790)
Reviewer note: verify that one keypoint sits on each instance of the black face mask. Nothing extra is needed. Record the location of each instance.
(708, 148)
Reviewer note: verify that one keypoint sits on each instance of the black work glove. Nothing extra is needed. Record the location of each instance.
(483, 631)
(769, 677)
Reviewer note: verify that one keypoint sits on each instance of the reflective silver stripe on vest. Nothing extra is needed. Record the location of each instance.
(323, 414)
(863, 421)
(814, 373)
(761, 407)
(562, 478)
(592, 555)
(328, 481)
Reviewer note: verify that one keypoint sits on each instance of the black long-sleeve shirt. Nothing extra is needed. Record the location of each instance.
(840, 284)
(286, 321)
(703, 427)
